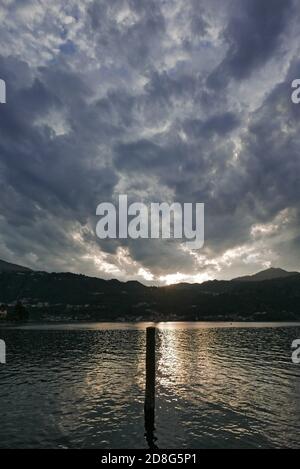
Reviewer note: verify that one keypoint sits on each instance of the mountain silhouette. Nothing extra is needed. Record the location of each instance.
(271, 295)
(267, 274)
(8, 267)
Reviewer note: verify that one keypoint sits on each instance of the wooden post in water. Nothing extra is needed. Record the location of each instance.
(150, 387)
(150, 368)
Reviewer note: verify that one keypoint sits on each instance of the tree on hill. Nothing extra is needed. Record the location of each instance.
(19, 313)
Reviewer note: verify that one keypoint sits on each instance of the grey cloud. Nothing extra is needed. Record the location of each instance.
(134, 40)
(253, 34)
(217, 124)
(130, 110)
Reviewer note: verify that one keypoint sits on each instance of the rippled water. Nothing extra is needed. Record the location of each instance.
(78, 386)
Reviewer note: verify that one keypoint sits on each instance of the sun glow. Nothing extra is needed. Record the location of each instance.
(180, 277)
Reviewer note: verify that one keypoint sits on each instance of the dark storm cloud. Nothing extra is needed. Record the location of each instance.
(217, 124)
(135, 43)
(144, 156)
(272, 150)
(44, 175)
(113, 97)
(253, 34)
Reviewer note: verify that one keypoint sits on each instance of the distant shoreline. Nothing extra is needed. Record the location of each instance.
(63, 297)
(141, 325)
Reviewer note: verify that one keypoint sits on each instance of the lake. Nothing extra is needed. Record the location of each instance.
(219, 385)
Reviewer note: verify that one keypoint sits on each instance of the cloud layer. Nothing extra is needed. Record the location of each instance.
(183, 101)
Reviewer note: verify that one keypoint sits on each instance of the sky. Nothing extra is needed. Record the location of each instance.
(166, 101)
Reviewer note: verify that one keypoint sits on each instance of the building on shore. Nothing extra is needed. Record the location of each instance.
(3, 312)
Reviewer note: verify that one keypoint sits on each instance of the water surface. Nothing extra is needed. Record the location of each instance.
(82, 386)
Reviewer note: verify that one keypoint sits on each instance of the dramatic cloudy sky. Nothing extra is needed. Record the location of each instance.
(165, 100)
